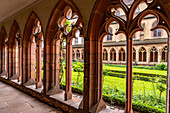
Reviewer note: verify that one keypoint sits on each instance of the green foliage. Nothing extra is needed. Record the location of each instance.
(145, 95)
(78, 67)
(161, 88)
(156, 67)
(68, 23)
(160, 66)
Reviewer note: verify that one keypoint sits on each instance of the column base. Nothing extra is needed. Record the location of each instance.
(3, 73)
(15, 76)
(68, 96)
(98, 107)
(38, 85)
(54, 90)
(30, 82)
(131, 111)
(19, 79)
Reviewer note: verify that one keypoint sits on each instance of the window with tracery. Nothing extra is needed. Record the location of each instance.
(105, 55)
(142, 54)
(153, 55)
(109, 37)
(165, 54)
(82, 53)
(156, 32)
(134, 54)
(78, 55)
(113, 55)
(73, 57)
(122, 54)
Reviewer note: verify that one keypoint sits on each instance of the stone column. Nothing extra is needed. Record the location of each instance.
(39, 66)
(10, 63)
(148, 56)
(80, 55)
(117, 57)
(159, 56)
(137, 55)
(68, 92)
(19, 62)
(129, 75)
(108, 57)
(168, 79)
(55, 72)
(6, 60)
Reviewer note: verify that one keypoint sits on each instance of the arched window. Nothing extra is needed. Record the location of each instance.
(76, 40)
(137, 10)
(157, 32)
(109, 37)
(164, 54)
(113, 55)
(153, 55)
(142, 54)
(78, 55)
(82, 54)
(134, 54)
(121, 54)
(118, 13)
(105, 55)
(73, 57)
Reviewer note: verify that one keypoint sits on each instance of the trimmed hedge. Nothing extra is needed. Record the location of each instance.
(121, 101)
(138, 73)
(136, 106)
(138, 77)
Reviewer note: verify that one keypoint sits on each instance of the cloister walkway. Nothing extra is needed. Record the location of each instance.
(15, 101)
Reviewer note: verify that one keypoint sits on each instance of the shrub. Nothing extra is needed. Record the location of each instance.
(160, 66)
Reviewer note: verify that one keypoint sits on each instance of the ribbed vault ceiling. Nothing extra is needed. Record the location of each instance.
(10, 7)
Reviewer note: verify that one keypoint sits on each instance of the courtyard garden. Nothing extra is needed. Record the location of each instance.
(149, 85)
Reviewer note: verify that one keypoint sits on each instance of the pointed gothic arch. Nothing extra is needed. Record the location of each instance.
(98, 28)
(142, 54)
(105, 55)
(32, 52)
(15, 53)
(122, 54)
(153, 54)
(134, 54)
(165, 54)
(112, 54)
(58, 29)
(3, 52)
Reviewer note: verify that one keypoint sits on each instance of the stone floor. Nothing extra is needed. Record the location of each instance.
(15, 101)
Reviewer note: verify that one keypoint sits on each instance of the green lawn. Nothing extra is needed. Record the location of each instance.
(144, 92)
(136, 70)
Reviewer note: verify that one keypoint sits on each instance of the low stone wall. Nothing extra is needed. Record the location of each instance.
(42, 97)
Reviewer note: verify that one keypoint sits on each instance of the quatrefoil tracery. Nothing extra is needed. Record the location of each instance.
(68, 25)
(132, 23)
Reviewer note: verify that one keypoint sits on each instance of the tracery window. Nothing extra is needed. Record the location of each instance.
(118, 13)
(105, 55)
(153, 55)
(122, 54)
(165, 54)
(109, 37)
(134, 54)
(156, 32)
(73, 53)
(82, 53)
(78, 55)
(113, 55)
(15, 53)
(142, 54)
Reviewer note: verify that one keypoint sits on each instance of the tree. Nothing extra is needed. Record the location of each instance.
(161, 88)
